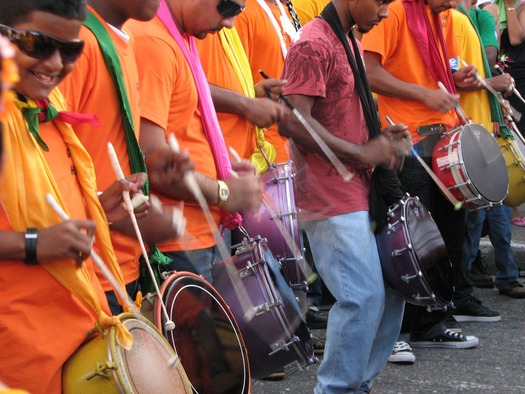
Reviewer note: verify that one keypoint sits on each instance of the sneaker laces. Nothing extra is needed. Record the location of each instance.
(401, 346)
(453, 334)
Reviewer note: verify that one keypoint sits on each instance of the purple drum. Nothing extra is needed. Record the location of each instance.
(413, 256)
(266, 310)
(276, 221)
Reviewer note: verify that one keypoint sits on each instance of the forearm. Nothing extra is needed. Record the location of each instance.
(228, 101)
(12, 245)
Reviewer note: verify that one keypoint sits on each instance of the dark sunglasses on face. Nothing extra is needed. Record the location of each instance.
(42, 46)
(229, 9)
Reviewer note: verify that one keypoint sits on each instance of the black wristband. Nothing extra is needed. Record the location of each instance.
(31, 238)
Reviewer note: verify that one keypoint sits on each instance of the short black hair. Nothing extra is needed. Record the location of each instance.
(18, 11)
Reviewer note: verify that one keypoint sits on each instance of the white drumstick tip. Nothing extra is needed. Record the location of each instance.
(173, 143)
(114, 162)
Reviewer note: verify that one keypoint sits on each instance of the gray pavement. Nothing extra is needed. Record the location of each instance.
(496, 365)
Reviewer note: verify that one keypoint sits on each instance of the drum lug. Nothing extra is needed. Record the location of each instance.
(102, 370)
(263, 308)
(408, 278)
(399, 252)
(248, 270)
(277, 347)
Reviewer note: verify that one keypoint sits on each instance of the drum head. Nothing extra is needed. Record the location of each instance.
(484, 162)
(206, 336)
(150, 365)
(430, 250)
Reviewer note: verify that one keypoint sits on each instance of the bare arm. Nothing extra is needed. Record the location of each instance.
(382, 82)
(515, 23)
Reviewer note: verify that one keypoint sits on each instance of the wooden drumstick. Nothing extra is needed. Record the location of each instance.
(457, 107)
(169, 325)
(96, 259)
(339, 166)
(514, 90)
(307, 271)
(457, 204)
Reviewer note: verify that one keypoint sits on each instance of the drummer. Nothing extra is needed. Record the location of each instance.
(405, 78)
(51, 297)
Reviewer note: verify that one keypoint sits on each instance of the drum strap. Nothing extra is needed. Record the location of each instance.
(385, 187)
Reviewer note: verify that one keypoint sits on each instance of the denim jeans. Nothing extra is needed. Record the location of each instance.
(365, 321)
(199, 261)
(500, 234)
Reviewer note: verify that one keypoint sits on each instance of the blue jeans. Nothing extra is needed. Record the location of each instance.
(500, 234)
(199, 261)
(365, 321)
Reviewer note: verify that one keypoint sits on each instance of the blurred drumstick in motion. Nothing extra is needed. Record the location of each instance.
(97, 260)
(514, 90)
(339, 166)
(169, 325)
(457, 204)
(290, 242)
(457, 107)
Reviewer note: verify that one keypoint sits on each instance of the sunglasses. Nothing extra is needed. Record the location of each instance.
(229, 9)
(42, 46)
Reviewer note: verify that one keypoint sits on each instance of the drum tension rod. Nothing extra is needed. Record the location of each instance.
(102, 370)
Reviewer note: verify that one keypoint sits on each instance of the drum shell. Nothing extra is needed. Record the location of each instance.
(225, 326)
(469, 162)
(150, 357)
(413, 256)
(514, 153)
(266, 310)
(280, 194)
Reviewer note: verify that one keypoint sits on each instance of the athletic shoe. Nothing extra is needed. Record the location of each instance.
(447, 339)
(318, 344)
(315, 320)
(402, 354)
(479, 275)
(514, 289)
(474, 311)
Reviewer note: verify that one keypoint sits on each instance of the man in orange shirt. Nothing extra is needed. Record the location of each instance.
(175, 99)
(51, 297)
(93, 88)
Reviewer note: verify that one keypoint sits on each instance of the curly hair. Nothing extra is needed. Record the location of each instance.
(17, 11)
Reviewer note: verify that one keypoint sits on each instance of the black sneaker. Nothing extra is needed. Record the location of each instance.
(478, 275)
(447, 339)
(315, 320)
(452, 324)
(474, 311)
(514, 289)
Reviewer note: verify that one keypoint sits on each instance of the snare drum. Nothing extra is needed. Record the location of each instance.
(469, 162)
(287, 248)
(265, 307)
(206, 336)
(514, 154)
(102, 366)
(414, 257)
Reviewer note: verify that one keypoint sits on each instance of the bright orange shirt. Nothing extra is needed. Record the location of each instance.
(90, 89)
(41, 322)
(169, 99)
(261, 43)
(393, 40)
(237, 131)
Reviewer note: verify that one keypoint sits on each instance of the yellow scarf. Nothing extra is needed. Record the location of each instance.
(26, 179)
(232, 46)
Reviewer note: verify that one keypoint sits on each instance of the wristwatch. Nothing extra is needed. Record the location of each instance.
(224, 193)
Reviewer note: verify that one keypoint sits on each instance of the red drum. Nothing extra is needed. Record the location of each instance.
(206, 336)
(469, 162)
(264, 305)
(287, 248)
(414, 257)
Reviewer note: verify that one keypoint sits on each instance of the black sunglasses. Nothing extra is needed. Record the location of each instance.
(42, 46)
(229, 8)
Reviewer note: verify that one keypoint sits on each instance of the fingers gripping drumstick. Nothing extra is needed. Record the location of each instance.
(96, 259)
(169, 325)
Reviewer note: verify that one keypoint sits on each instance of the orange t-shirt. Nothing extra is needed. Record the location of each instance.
(237, 131)
(169, 99)
(41, 322)
(261, 43)
(400, 56)
(90, 89)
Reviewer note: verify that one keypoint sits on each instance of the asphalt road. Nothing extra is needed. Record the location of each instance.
(496, 365)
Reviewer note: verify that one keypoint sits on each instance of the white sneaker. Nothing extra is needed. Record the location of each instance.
(402, 353)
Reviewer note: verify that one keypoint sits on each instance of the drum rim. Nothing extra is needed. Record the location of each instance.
(180, 275)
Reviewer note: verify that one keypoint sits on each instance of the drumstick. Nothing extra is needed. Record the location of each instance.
(457, 204)
(307, 271)
(339, 166)
(96, 259)
(514, 90)
(457, 107)
(169, 325)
